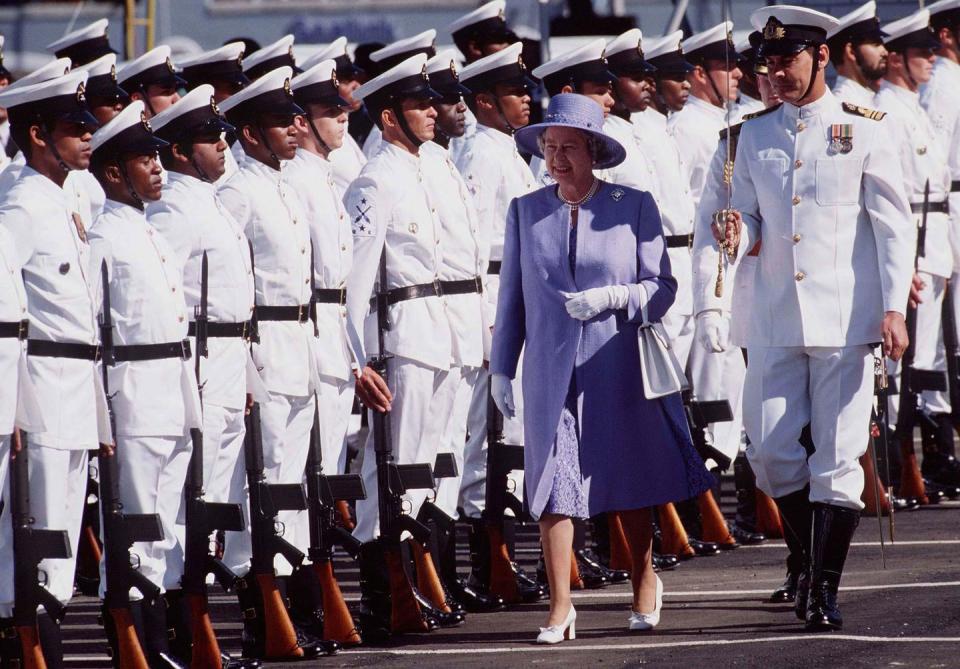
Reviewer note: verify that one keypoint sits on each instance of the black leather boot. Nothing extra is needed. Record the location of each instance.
(472, 600)
(306, 606)
(797, 516)
(939, 464)
(744, 527)
(833, 528)
(374, 618)
(253, 638)
(156, 639)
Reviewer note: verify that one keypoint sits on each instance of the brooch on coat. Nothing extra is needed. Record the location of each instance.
(841, 138)
(617, 194)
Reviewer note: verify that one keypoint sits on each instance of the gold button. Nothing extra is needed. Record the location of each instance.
(180, 318)
(799, 276)
(173, 289)
(163, 258)
(303, 250)
(343, 248)
(796, 200)
(798, 164)
(801, 126)
(796, 238)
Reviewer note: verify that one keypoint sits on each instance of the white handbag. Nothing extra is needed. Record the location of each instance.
(661, 371)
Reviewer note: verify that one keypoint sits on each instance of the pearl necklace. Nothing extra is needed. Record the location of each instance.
(575, 204)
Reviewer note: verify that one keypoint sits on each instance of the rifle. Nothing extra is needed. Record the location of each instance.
(699, 416)
(502, 458)
(952, 345)
(202, 519)
(392, 481)
(914, 381)
(322, 494)
(30, 547)
(120, 530)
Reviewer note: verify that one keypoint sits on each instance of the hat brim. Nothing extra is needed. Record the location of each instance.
(145, 146)
(81, 117)
(526, 139)
(784, 47)
(453, 90)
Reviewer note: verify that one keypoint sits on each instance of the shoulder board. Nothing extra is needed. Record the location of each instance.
(734, 131)
(750, 117)
(857, 110)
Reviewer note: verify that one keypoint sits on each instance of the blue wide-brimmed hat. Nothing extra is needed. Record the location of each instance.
(571, 110)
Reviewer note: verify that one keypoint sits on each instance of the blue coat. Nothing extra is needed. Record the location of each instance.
(634, 452)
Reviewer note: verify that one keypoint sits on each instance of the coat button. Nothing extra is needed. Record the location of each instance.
(799, 276)
(796, 238)
(343, 248)
(173, 289)
(798, 164)
(180, 318)
(796, 200)
(801, 126)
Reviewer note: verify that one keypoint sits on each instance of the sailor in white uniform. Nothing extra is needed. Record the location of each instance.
(858, 55)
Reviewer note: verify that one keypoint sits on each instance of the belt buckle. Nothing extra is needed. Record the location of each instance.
(689, 240)
(478, 284)
(245, 331)
(302, 313)
(97, 352)
(23, 329)
(343, 297)
(437, 288)
(184, 349)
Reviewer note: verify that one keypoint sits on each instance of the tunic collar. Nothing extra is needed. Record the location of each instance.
(38, 180)
(706, 107)
(824, 103)
(400, 154)
(187, 181)
(905, 95)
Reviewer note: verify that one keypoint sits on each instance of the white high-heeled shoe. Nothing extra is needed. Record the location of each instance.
(557, 633)
(641, 622)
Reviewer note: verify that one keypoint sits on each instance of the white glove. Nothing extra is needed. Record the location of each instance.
(501, 389)
(588, 303)
(713, 331)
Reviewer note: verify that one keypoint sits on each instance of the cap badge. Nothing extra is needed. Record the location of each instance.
(213, 106)
(286, 86)
(423, 74)
(333, 78)
(523, 66)
(240, 60)
(170, 66)
(81, 93)
(113, 73)
(502, 16)
(774, 30)
(144, 122)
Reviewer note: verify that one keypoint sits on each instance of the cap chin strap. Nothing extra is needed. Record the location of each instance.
(503, 116)
(196, 166)
(316, 136)
(146, 99)
(813, 73)
(440, 137)
(126, 180)
(713, 85)
(906, 68)
(45, 134)
(402, 122)
(266, 143)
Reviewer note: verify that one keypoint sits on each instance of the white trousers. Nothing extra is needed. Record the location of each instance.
(720, 376)
(58, 492)
(335, 402)
(473, 487)
(830, 388)
(6, 533)
(286, 422)
(420, 409)
(151, 475)
(461, 382)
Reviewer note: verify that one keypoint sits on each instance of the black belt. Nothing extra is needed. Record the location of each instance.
(299, 313)
(141, 352)
(240, 330)
(15, 330)
(330, 296)
(680, 241)
(494, 267)
(954, 186)
(436, 288)
(55, 349)
(932, 207)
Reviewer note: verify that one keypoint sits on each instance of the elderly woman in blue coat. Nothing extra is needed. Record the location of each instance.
(584, 266)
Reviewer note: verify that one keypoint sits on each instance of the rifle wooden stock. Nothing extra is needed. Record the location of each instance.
(911, 481)
(674, 540)
(714, 525)
(768, 516)
(280, 637)
(873, 505)
(205, 653)
(130, 652)
(32, 654)
(620, 556)
(338, 624)
(576, 581)
(405, 613)
(427, 579)
(343, 510)
(503, 576)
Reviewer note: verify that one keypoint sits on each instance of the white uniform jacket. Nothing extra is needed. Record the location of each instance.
(391, 212)
(696, 129)
(922, 158)
(941, 100)
(271, 216)
(637, 170)
(460, 239)
(836, 228)
(192, 220)
(147, 306)
(848, 90)
(50, 249)
(312, 178)
(347, 161)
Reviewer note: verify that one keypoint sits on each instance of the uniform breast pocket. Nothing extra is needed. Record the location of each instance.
(771, 175)
(838, 181)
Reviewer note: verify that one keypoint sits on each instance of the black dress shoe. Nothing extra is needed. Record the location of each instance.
(934, 492)
(531, 590)
(904, 503)
(803, 592)
(665, 562)
(612, 575)
(227, 661)
(473, 600)
(442, 618)
(787, 592)
(823, 614)
(590, 573)
(745, 536)
(704, 548)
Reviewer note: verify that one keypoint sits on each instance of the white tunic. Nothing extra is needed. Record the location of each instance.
(147, 306)
(836, 229)
(192, 220)
(312, 178)
(347, 162)
(271, 216)
(855, 93)
(696, 130)
(391, 212)
(941, 100)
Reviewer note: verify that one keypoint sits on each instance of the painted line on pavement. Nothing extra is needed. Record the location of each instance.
(715, 593)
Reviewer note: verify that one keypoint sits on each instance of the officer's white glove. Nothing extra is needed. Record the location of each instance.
(713, 331)
(502, 391)
(588, 303)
